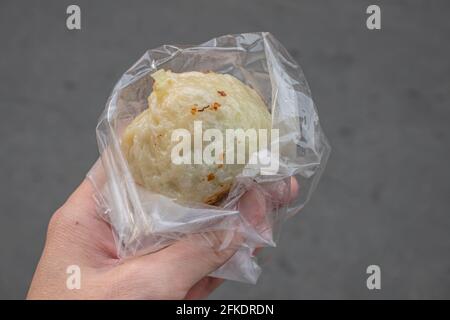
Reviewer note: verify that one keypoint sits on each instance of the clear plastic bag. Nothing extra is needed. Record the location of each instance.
(143, 221)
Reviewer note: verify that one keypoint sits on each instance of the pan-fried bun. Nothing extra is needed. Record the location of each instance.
(221, 102)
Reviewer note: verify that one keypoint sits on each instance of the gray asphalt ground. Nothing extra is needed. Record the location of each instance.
(383, 99)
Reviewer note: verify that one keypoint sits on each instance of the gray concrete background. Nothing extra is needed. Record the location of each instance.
(383, 98)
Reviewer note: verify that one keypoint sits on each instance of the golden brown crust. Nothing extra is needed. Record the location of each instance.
(219, 195)
(221, 101)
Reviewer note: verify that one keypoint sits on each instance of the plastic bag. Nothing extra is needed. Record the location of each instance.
(143, 221)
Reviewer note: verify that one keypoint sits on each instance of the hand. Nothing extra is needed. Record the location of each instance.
(78, 236)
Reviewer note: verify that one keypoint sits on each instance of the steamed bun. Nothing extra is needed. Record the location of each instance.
(220, 101)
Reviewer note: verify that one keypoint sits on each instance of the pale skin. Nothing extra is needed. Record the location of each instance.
(77, 235)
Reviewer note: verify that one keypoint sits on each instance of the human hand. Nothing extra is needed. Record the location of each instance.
(78, 236)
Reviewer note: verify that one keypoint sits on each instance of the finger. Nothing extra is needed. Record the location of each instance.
(204, 288)
(282, 192)
(295, 190)
(253, 207)
(261, 204)
(195, 257)
(262, 198)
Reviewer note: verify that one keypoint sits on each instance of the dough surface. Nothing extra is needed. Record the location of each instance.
(221, 102)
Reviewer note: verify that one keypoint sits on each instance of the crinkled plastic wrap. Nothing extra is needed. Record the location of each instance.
(144, 221)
